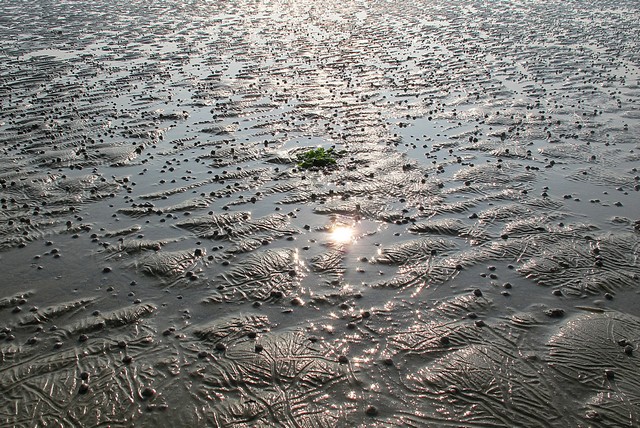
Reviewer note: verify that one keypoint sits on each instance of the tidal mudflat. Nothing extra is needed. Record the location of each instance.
(461, 248)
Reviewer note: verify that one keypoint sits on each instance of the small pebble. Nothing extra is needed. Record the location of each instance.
(371, 411)
(593, 415)
(554, 313)
(148, 392)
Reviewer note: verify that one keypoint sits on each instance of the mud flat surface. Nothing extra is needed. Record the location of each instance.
(471, 258)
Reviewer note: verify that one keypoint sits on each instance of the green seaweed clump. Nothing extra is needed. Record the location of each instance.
(317, 158)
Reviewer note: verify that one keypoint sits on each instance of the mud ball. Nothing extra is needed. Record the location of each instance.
(127, 359)
(371, 411)
(203, 354)
(258, 348)
(83, 338)
(477, 292)
(628, 350)
(444, 340)
(84, 388)
(220, 347)
(480, 323)
(342, 359)
(387, 361)
(106, 269)
(609, 374)
(84, 375)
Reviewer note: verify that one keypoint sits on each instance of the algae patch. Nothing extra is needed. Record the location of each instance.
(317, 158)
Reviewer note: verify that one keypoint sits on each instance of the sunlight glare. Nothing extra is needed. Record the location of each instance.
(342, 234)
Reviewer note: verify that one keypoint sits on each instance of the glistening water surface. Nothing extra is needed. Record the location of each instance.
(469, 256)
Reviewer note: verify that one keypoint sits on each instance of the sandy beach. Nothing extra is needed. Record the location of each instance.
(320, 214)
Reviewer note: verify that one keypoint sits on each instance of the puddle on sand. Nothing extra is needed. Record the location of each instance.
(471, 258)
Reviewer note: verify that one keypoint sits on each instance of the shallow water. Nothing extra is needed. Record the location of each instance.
(166, 262)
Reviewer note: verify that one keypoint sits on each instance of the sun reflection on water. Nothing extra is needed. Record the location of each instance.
(342, 234)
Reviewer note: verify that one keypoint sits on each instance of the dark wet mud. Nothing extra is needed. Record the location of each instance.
(468, 257)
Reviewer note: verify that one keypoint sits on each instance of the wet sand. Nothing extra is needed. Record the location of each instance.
(471, 258)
